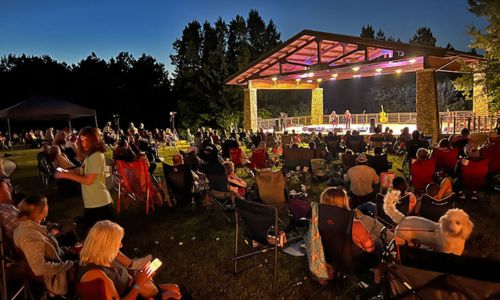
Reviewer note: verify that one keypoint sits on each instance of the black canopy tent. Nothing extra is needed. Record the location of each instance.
(45, 108)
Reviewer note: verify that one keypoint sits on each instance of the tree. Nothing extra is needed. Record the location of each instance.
(367, 31)
(489, 41)
(272, 37)
(380, 35)
(449, 46)
(238, 48)
(423, 37)
(256, 34)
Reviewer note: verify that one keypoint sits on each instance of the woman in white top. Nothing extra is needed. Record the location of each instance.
(96, 198)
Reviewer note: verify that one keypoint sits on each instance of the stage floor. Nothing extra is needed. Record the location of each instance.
(363, 129)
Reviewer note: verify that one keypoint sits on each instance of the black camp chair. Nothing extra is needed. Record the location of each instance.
(259, 221)
(219, 191)
(423, 274)
(433, 209)
(180, 182)
(335, 228)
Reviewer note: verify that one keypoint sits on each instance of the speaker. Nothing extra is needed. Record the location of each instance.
(372, 125)
(278, 125)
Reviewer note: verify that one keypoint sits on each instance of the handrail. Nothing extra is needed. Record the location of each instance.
(450, 122)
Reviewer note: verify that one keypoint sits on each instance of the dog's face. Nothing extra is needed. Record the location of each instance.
(456, 223)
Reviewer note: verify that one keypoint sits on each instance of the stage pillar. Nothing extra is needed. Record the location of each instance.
(317, 106)
(250, 109)
(427, 104)
(480, 101)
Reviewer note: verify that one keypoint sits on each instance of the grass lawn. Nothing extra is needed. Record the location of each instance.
(196, 247)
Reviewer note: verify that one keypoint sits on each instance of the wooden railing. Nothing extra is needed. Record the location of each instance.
(451, 122)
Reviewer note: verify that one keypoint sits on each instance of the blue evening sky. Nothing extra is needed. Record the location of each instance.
(69, 30)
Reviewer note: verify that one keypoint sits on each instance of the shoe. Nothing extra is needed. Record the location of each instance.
(138, 263)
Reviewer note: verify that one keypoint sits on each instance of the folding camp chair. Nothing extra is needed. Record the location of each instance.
(237, 157)
(9, 266)
(473, 175)
(135, 181)
(299, 211)
(91, 289)
(179, 182)
(318, 167)
(271, 186)
(45, 171)
(259, 221)
(423, 274)
(258, 160)
(219, 191)
(356, 144)
(422, 173)
(433, 209)
(347, 259)
(445, 159)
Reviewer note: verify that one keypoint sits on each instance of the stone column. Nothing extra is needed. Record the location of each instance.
(480, 104)
(317, 106)
(427, 104)
(250, 109)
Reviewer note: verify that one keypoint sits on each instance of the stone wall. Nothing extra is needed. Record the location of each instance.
(250, 109)
(317, 106)
(427, 103)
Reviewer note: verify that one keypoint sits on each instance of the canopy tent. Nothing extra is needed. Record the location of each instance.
(45, 108)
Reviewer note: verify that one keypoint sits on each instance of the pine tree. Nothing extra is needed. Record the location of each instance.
(423, 37)
(367, 31)
(380, 35)
(238, 48)
(256, 34)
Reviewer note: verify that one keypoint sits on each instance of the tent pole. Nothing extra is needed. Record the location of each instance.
(95, 117)
(70, 128)
(10, 134)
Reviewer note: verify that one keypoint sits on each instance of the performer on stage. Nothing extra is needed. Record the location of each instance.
(333, 119)
(347, 117)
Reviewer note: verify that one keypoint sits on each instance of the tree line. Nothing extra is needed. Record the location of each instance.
(141, 90)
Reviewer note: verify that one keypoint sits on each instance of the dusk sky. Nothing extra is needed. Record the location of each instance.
(70, 30)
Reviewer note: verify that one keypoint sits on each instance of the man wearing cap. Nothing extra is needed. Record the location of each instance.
(361, 178)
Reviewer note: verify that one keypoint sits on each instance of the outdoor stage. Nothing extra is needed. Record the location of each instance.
(362, 128)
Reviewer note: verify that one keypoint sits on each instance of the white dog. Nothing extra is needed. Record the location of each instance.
(448, 236)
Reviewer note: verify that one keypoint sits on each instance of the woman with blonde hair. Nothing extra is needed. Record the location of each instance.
(98, 261)
(41, 250)
(97, 201)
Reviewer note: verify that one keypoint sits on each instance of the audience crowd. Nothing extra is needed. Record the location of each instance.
(454, 165)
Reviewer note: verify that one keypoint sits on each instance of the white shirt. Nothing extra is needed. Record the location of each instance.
(362, 177)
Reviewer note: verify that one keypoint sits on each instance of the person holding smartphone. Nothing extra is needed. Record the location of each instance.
(98, 261)
(97, 201)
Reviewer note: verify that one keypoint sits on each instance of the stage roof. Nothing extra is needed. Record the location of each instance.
(313, 56)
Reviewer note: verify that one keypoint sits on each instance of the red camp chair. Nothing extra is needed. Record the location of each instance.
(258, 160)
(135, 182)
(474, 174)
(445, 159)
(91, 290)
(236, 155)
(422, 172)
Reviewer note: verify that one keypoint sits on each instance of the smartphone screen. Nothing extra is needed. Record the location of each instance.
(154, 265)
(59, 169)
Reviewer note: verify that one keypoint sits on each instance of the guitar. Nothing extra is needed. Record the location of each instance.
(383, 115)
